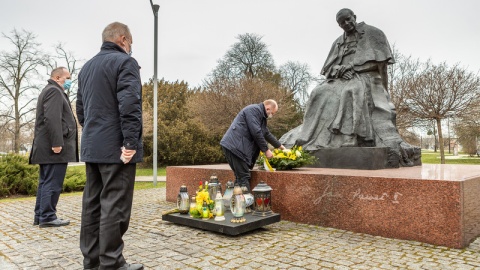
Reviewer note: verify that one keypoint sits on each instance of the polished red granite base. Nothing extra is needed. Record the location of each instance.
(436, 204)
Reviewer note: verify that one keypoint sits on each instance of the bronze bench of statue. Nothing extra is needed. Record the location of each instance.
(352, 107)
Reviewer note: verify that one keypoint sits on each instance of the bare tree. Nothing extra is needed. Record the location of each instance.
(439, 90)
(248, 57)
(66, 58)
(244, 76)
(297, 78)
(218, 105)
(19, 74)
(400, 75)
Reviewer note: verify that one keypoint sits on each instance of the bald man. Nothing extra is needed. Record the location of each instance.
(246, 137)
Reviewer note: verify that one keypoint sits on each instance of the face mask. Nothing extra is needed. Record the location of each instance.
(67, 84)
(270, 115)
(130, 52)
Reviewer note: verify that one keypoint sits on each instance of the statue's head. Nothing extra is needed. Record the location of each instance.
(347, 20)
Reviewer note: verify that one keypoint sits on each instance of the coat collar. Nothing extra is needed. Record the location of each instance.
(50, 81)
(107, 45)
(264, 111)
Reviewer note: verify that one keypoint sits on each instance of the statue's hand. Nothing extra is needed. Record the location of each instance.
(342, 69)
(348, 75)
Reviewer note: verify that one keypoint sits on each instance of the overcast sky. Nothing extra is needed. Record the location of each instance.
(195, 34)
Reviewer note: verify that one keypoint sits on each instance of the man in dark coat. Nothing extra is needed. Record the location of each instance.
(246, 137)
(109, 108)
(55, 143)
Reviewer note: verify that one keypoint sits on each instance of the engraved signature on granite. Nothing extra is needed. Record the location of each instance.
(376, 197)
(358, 194)
(327, 193)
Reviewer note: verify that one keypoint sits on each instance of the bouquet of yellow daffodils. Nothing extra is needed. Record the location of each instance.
(286, 159)
(201, 197)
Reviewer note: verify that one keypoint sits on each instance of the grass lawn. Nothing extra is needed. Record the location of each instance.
(149, 171)
(430, 157)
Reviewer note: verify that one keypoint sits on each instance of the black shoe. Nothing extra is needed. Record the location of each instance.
(94, 268)
(55, 223)
(133, 266)
(36, 221)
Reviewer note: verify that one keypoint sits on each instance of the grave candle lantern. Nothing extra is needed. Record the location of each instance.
(214, 186)
(228, 194)
(262, 194)
(219, 207)
(237, 205)
(183, 200)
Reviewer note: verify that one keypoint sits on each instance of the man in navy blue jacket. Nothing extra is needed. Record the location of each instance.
(246, 137)
(109, 108)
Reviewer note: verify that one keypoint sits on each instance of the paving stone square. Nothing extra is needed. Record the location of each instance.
(161, 244)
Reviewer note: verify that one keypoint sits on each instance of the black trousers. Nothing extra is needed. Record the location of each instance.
(239, 167)
(50, 185)
(106, 208)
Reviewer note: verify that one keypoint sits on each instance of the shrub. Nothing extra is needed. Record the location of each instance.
(17, 176)
(74, 181)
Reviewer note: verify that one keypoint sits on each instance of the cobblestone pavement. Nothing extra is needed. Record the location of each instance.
(163, 245)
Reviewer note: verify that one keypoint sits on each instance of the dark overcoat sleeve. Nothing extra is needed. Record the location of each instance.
(129, 96)
(53, 107)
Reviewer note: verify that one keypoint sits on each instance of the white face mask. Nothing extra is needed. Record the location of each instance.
(129, 52)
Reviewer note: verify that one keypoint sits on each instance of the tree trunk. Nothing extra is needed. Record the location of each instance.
(16, 131)
(440, 139)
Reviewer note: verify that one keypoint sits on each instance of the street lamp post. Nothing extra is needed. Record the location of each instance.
(155, 9)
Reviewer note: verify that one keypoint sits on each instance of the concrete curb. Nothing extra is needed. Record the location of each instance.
(150, 178)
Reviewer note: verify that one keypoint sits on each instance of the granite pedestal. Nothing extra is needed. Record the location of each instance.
(225, 227)
(436, 204)
(363, 158)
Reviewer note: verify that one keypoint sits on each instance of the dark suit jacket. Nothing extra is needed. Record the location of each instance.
(55, 125)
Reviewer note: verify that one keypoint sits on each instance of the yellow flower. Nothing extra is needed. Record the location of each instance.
(298, 154)
(280, 155)
(202, 196)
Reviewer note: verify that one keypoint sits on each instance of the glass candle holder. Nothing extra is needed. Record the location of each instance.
(183, 200)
